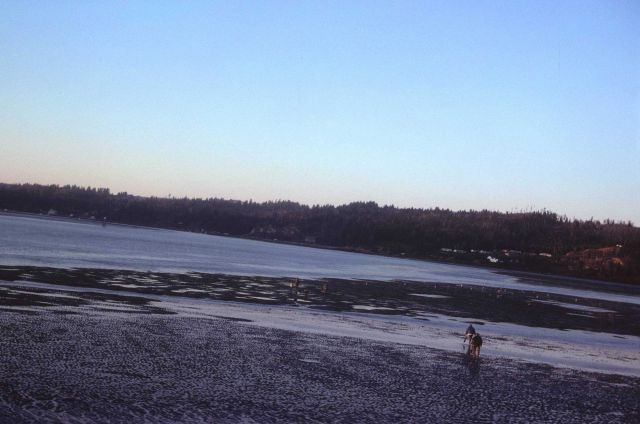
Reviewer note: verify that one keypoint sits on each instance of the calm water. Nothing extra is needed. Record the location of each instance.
(26, 240)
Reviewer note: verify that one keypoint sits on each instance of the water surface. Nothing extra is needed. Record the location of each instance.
(61, 243)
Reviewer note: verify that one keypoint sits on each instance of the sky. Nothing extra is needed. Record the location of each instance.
(500, 105)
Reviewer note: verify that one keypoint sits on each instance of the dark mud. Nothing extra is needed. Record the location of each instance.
(102, 356)
(415, 299)
(133, 368)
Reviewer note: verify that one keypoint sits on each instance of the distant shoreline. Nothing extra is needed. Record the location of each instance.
(531, 241)
(511, 271)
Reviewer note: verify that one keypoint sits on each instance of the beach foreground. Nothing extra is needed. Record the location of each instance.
(116, 358)
(153, 368)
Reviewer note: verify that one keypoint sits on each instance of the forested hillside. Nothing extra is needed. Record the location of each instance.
(537, 241)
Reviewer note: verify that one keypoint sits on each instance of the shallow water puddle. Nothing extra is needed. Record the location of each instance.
(574, 306)
(371, 308)
(431, 296)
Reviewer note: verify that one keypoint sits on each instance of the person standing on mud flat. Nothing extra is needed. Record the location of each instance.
(295, 284)
(468, 334)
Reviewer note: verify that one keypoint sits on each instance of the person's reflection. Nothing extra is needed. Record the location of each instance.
(473, 365)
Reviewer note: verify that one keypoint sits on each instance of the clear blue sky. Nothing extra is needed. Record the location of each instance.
(462, 105)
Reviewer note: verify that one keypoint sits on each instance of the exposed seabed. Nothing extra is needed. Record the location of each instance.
(77, 348)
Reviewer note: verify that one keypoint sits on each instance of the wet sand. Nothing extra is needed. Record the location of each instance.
(158, 368)
(404, 298)
(112, 346)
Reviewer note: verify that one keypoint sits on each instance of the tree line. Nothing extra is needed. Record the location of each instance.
(535, 240)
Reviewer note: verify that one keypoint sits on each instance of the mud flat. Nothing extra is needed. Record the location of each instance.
(594, 311)
(159, 368)
(83, 346)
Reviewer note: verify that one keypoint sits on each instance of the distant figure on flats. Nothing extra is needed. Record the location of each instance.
(467, 337)
(295, 285)
(475, 345)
